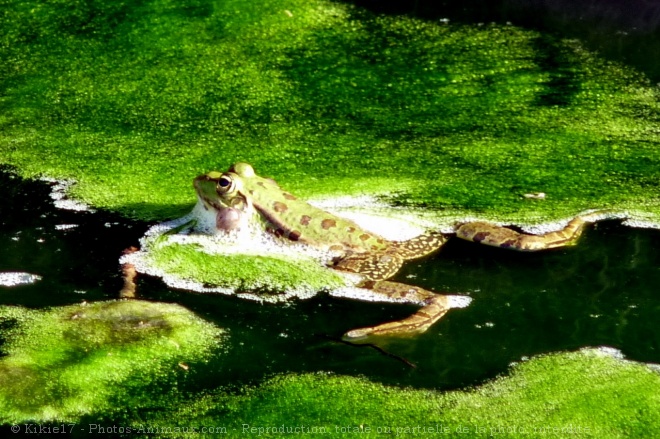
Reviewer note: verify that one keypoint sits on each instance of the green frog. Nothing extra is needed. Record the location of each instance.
(240, 196)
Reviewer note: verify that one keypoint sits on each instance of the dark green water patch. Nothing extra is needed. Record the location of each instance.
(622, 30)
(563, 82)
(77, 262)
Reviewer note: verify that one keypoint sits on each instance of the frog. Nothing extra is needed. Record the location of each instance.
(240, 197)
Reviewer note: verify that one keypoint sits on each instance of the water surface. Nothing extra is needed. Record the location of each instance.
(601, 292)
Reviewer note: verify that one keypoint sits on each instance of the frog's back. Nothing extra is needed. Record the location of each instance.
(298, 220)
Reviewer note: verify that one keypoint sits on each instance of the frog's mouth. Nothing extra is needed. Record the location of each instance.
(211, 204)
(229, 213)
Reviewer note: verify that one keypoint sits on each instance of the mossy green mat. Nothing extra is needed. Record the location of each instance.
(68, 362)
(133, 99)
(263, 277)
(105, 357)
(580, 394)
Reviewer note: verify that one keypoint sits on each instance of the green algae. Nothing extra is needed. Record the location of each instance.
(134, 99)
(579, 394)
(268, 276)
(64, 363)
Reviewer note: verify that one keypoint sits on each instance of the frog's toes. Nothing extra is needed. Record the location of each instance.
(357, 335)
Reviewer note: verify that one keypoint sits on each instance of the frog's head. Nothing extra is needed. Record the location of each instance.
(224, 193)
(223, 189)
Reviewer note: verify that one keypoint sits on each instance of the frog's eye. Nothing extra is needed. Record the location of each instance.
(224, 184)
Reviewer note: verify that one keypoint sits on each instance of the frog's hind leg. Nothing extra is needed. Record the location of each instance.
(373, 266)
(421, 245)
(434, 306)
(498, 236)
(376, 267)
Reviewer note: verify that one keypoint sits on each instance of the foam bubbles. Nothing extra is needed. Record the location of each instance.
(60, 198)
(610, 352)
(366, 295)
(376, 216)
(459, 301)
(65, 226)
(250, 239)
(11, 279)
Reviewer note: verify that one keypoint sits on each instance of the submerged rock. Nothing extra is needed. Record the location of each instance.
(67, 362)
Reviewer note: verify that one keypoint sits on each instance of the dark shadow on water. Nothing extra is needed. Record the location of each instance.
(622, 30)
(562, 85)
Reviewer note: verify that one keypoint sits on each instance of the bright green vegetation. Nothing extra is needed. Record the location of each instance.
(133, 99)
(584, 393)
(266, 275)
(68, 362)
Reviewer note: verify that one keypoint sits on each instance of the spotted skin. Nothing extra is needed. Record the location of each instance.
(385, 264)
(433, 308)
(280, 207)
(498, 236)
(328, 224)
(262, 201)
(421, 245)
(373, 266)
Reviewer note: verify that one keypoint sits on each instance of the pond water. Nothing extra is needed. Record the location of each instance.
(601, 292)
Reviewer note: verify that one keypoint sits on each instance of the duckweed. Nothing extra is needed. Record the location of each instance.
(267, 276)
(578, 394)
(64, 363)
(134, 99)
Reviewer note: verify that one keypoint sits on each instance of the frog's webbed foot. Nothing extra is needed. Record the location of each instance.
(376, 267)
(434, 306)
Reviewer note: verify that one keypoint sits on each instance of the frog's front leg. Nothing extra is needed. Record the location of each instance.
(434, 306)
(129, 274)
(498, 236)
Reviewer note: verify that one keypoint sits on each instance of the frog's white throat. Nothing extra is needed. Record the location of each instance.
(248, 232)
